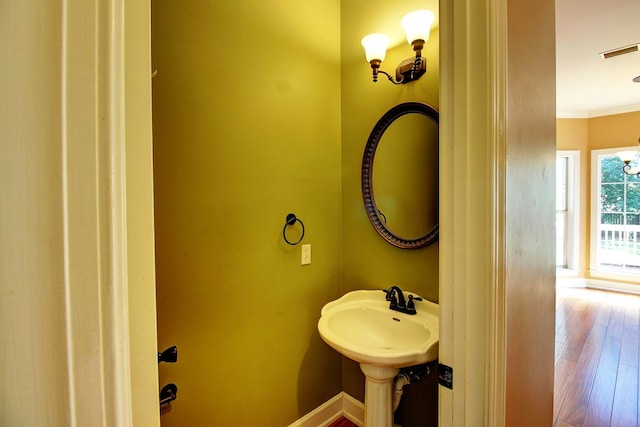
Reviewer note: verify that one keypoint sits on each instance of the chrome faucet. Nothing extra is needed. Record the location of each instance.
(398, 302)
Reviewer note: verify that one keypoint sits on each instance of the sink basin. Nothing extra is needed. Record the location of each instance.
(361, 326)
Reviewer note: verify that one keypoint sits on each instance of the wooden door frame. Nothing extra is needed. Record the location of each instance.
(472, 286)
(108, 188)
(472, 222)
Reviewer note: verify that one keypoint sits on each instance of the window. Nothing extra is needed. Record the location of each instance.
(567, 210)
(561, 211)
(615, 216)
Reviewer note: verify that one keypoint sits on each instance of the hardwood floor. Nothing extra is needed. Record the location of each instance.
(596, 376)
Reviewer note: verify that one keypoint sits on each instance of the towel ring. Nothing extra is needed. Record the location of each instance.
(291, 220)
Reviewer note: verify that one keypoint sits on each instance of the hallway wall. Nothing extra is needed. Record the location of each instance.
(529, 214)
(32, 276)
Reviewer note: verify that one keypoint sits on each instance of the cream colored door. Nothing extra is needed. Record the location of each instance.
(76, 280)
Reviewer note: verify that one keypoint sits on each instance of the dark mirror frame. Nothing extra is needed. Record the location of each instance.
(367, 174)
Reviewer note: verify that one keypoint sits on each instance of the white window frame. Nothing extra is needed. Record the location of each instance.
(572, 241)
(595, 218)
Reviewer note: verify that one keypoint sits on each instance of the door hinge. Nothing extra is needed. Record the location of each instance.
(445, 376)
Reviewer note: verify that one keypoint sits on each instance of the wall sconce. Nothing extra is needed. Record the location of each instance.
(627, 157)
(417, 26)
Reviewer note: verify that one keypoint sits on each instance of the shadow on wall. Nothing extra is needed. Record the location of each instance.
(308, 390)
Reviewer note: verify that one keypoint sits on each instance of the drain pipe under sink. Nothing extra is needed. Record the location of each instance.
(398, 387)
(403, 379)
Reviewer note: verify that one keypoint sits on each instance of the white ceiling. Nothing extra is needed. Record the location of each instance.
(587, 85)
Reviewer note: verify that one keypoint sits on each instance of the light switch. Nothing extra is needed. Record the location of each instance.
(305, 257)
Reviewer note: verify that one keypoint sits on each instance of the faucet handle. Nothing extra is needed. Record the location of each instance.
(410, 303)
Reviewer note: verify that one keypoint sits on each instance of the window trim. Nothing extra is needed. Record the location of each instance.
(595, 218)
(572, 241)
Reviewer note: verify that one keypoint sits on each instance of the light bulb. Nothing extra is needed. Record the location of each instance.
(417, 25)
(375, 46)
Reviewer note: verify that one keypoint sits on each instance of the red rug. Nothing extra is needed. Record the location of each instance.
(342, 422)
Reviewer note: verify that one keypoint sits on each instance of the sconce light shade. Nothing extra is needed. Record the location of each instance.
(375, 46)
(417, 25)
(627, 156)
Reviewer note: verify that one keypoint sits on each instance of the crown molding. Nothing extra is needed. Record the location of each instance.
(598, 113)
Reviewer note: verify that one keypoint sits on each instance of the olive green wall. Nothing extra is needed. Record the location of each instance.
(246, 130)
(369, 262)
(241, 139)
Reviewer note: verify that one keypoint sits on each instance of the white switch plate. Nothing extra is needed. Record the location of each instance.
(305, 256)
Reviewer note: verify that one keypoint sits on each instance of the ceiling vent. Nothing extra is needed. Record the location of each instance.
(619, 51)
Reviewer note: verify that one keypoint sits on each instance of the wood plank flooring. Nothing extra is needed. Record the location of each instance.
(597, 352)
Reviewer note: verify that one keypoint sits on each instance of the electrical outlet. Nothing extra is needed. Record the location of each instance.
(305, 257)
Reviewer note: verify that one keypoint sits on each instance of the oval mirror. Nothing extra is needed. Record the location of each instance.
(400, 162)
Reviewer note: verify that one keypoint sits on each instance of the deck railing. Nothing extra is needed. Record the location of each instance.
(619, 244)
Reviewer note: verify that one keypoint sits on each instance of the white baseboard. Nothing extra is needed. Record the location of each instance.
(606, 285)
(571, 282)
(341, 404)
(353, 409)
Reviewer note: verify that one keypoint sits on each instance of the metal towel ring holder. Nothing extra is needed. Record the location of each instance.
(291, 220)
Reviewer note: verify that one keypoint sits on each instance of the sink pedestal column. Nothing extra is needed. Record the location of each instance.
(378, 411)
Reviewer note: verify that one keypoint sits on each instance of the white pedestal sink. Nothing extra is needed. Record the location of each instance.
(361, 326)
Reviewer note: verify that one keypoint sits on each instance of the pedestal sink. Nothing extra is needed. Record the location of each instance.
(361, 326)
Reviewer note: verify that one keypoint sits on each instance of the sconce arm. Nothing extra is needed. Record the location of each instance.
(630, 170)
(389, 77)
